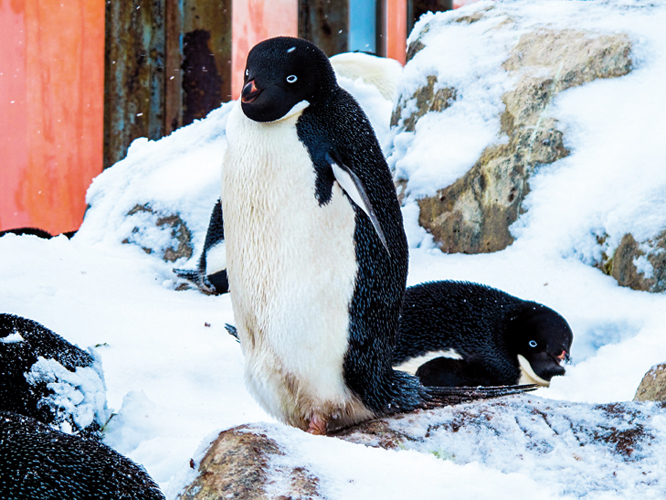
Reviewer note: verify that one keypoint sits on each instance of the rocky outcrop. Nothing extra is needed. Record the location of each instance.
(473, 214)
(542, 439)
(637, 265)
(164, 234)
(653, 385)
(238, 465)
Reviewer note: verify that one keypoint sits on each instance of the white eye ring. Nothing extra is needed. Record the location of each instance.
(292, 78)
(247, 72)
(532, 343)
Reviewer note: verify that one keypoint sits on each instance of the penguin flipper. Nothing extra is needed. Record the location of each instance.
(352, 185)
(446, 396)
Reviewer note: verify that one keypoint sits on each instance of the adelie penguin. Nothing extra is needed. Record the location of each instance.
(211, 273)
(316, 250)
(465, 334)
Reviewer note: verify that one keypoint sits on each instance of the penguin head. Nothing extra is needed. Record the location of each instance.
(541, 339)
(283, 74)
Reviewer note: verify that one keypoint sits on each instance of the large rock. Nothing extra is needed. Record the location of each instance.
(549, 441)
(474, 213)
(653, 385)
(637, 265)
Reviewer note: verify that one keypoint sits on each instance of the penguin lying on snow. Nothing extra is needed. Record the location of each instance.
(45, 377)
(40, 463)
(464, 334)
(211, 273)
(316, 250)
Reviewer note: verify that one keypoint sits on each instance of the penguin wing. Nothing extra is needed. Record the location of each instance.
(352, 185)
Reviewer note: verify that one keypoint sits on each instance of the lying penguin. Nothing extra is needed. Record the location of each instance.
(465, 334)
(45, 377)
(211, 273)
(316, 249)
(40, 463)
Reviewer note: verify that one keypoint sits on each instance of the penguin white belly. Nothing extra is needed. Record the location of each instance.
(292, 272)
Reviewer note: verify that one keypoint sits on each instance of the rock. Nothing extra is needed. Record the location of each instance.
(548, 441)
(238, 465)
(164, 234)
(473, 214)
(639, 266)
(653, 385)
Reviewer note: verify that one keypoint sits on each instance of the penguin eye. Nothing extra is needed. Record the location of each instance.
(292, 78)
(532, 343)
(247, 72)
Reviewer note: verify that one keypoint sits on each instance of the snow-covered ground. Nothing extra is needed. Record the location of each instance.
(174, 376)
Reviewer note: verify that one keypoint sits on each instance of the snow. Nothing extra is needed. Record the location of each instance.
(173, 374)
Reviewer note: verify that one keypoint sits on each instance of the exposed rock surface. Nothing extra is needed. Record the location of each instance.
(549, 441)
(175, 240)
(473, 214)
(238, 465)
(653, 385)
(637, 265)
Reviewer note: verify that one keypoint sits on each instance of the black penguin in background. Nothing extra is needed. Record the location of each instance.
(316, 250)
(211, 273)
(465, 334)
(39, 463)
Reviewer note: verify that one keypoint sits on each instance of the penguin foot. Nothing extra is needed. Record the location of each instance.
(317, 425)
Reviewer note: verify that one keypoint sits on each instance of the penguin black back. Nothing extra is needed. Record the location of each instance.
(39, 463)
(466, 334)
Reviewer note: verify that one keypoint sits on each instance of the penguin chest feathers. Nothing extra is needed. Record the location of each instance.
(292, 271)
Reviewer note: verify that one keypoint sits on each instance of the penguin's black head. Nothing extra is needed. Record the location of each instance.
(281, 73)
(542, 337)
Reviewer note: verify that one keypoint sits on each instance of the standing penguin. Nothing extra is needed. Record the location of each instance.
(316, 251)
(455, 333)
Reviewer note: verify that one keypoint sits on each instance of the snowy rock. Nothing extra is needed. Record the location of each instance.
(639, 266)
(238, 465)
(45, 377)
(551, 442)
(653, 385)
(473, 214)
(163, 233)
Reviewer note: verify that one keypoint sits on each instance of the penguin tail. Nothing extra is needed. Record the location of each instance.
(446, 396)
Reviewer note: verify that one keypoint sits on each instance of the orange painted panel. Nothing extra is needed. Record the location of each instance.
(396, 30)
(254, 21)
(55, 132)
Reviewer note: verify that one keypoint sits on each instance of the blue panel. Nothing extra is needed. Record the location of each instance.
(363, 25)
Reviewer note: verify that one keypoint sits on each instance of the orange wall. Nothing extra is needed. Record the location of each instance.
(396, 30)
(254, 21)
(51, 110)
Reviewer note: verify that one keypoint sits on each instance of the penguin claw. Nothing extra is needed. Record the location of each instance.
(317, 426)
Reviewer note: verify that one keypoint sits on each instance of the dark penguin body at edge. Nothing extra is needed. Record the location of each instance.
(316, 250)
(211, 273)
(466, 334)
(39, 463)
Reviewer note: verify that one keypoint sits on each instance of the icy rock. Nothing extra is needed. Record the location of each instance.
(473, 214)
(617, 446)
(637, 265)
(163, 233)
(653, 385)
(238, 465)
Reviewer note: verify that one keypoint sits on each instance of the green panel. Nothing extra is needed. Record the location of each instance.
(134, 74)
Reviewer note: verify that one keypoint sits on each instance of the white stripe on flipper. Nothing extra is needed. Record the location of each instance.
(351, 185)
(412, 365)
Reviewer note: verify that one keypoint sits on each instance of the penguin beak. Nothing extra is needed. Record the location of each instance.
(564, 356)
(250, 92)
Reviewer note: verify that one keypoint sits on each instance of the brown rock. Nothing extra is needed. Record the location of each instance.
(180, 235)
(653, 385)
(427, 100)
(238, 465)
(473, 215)
(625, 263)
